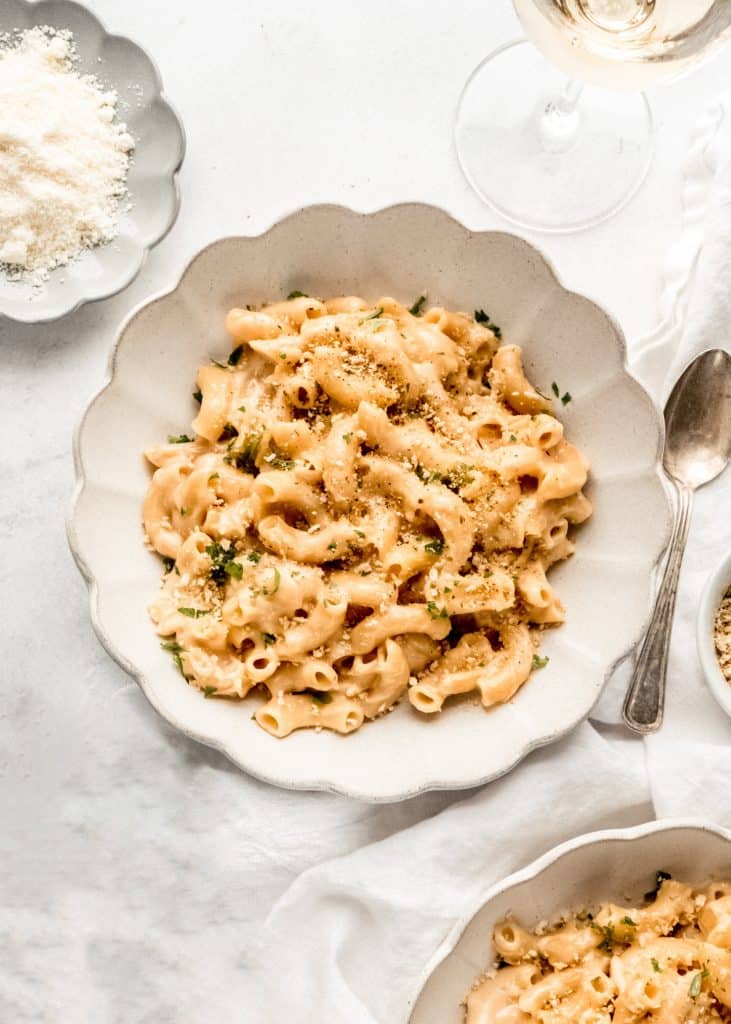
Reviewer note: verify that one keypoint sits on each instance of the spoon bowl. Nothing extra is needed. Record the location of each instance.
(697, 449)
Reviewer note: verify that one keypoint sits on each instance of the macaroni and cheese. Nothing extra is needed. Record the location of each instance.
(368, 509)
(668, 962)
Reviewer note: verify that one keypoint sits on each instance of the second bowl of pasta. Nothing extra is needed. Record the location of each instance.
(366, 483)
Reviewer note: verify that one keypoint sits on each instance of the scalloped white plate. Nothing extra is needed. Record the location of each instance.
(152, 184)
(403, 251)
(617, 864)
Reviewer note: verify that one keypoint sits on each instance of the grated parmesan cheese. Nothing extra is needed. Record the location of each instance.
(63, 157)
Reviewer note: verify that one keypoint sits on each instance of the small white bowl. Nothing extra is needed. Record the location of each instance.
(151, 181)
(619, 864)
(717, 585)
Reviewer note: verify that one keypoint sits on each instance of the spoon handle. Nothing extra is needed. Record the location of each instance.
(645, 702)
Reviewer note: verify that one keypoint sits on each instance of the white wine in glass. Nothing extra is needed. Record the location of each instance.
(561, 155)
(625, 44)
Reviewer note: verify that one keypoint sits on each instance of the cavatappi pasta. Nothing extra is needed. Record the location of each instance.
(368, 509)
(667, 962)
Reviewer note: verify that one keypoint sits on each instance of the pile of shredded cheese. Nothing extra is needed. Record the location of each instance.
(722, 635)
(63, 156)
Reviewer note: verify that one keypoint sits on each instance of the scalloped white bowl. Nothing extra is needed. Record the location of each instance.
(617, 864)
(403, 251)
(158, 154)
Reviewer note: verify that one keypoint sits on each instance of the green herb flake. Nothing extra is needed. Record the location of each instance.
(179, 439)
(513, 437)
(209, 691)
(481, 317)
(244, 458)
(223, 565)
(213, 476)
(277, 459)
(697, 983)
(321, 696)
(297, 294)
(194, 613)
(435, 547)
(236, 354)
(185, 511)
(242, 408)
(628, 921)
(538, 662)
(168, 564)
(418, 306)
(198, 395)
(360, 533)
(174, 648)
(435, 612)
(607, 933)
(656, 966)
(268, 639)
(565, 398)
(374, 315)
(254, 556)
(347, 438)
(332, 546)
(555, 388)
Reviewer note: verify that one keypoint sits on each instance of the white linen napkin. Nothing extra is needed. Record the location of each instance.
(348, 939)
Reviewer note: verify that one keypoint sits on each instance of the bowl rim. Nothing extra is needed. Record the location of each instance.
(531, 872)
(718, 582)
(39, 317)
(321, 784)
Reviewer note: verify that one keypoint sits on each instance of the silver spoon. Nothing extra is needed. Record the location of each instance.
(697, 449)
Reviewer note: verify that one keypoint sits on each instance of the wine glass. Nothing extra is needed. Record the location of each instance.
(557, 154)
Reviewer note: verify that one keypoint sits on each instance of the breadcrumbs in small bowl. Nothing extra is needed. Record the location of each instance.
(714, 633)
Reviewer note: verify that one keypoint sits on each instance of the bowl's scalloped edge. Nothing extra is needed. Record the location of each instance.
(33, 316)
(319, 784)
(536, 868)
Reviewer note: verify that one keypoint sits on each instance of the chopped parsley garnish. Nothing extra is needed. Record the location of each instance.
(224, 565)
(607, 933)
(297, 294)
(168, 564)
(418, 306)
(275, 584)
(628, 921)
(374, 315)
(359, 533)
(697, 983)
(254, 556)
(194, 613)
(269, 639)
(458, 476)
(332, 546)
(179, 439)
(174, 648)
(435, 612)
(435, 547)
(555, 388)
(565, 398)
(277, 459)
(427, 476)
(513, 437)
(185, 511)
(236, 354)
(209, 691)
(656, 966)
(481, 317)
(539, 662)
(198, 395)
(244, 458)
(660, 877)
(321, 696)
(213, 476)
(229, 431)
(347, 438)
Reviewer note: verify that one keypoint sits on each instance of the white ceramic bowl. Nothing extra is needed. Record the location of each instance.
(717, 585)
(618, 865)
(404, 251)
(158, 154)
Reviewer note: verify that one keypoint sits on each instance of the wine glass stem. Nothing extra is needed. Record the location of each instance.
(559, 122)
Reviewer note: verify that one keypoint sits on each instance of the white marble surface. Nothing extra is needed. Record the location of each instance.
(132, 885)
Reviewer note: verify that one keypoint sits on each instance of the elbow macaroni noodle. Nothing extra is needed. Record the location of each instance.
(665, 963)
(368, 509)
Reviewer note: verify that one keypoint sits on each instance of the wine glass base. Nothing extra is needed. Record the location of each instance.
(539, 171)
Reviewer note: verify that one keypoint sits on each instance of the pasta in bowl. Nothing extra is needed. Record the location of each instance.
(564, 340)
(625, 925)
(367, 510)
